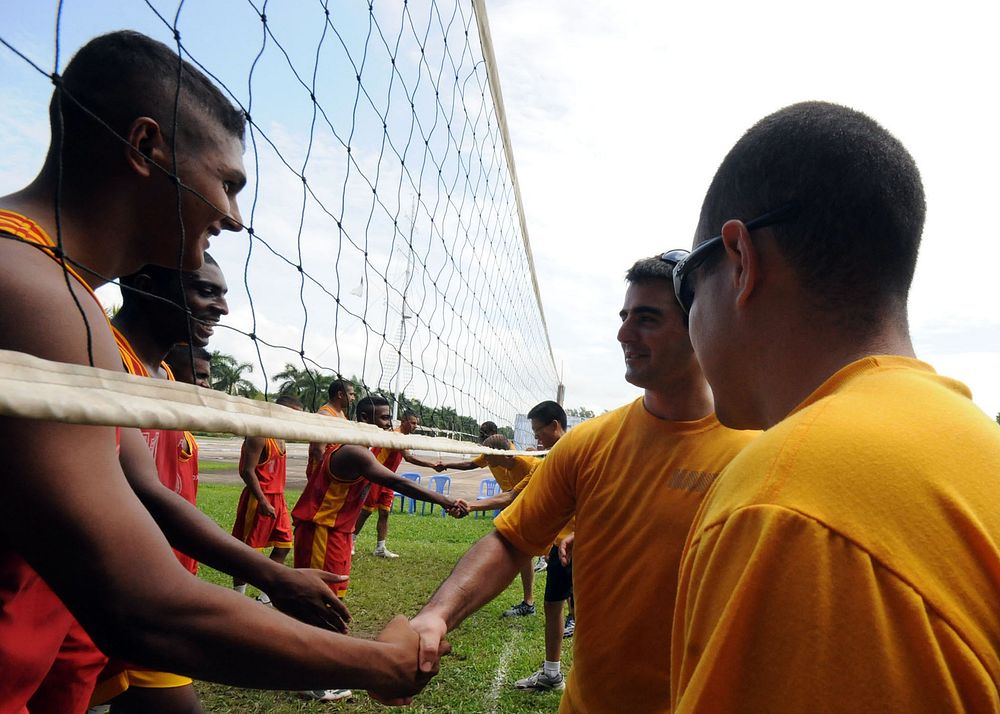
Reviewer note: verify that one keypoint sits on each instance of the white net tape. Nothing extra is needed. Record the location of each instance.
(34, 388)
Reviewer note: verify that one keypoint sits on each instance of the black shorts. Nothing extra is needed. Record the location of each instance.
(558, 578)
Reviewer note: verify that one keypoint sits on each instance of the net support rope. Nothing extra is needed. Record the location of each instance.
(35, 388)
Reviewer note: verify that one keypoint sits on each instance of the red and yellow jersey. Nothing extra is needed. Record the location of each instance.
(168, 446)
(23, 227)
(330, 500)
(187, 466)
(271, 469)
(390, 458)
(329, 411)
(33, 620)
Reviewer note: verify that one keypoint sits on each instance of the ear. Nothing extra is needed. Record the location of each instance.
(744, 258)
(146, 147)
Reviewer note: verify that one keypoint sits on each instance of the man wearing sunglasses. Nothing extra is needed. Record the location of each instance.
(848, 558)
(634, 478)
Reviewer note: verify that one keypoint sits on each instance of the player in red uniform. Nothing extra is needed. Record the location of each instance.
(127, 117)
(198, 372)
(262, 519)
(340, 397)
(380, 497)
(327, 511)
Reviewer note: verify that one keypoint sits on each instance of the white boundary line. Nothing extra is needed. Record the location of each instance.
(504, 664)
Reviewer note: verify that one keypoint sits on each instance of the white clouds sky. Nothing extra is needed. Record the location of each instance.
(619, 114)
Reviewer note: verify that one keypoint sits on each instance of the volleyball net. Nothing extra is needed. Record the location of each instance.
(384, 242)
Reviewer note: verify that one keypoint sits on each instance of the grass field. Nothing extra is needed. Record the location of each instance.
(489, 653)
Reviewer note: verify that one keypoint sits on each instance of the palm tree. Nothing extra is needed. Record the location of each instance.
(227, 375)
(309, 386)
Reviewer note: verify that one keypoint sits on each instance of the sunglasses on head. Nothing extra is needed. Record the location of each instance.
(685, 263)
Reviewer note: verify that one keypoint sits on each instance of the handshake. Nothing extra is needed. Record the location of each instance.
(414, 648)
(459, 508)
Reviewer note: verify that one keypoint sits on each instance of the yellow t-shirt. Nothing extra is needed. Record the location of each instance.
(847, 561)
(634, 483)
(511, 477)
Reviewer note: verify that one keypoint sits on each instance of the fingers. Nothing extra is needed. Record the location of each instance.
(331, 577)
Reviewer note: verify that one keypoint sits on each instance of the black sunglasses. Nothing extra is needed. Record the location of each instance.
(685, 263)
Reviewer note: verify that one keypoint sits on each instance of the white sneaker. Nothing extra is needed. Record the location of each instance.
(541, 565)
(327, 695)
(352, 547)
(540, 680)
(384, 553)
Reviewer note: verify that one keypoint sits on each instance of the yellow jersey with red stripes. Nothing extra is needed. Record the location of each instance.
(34, 623)
(271, 469)
(330, 500)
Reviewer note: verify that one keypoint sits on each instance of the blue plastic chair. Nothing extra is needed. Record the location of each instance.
(441, 484)
(487, 487)
(410, 476)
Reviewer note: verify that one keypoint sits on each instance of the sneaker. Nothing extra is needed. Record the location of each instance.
(352, 547)
(542, 681)
(263, 599)
(570, 628)
(384, 553)
(326, 695)
(541, 565)
(520, 610)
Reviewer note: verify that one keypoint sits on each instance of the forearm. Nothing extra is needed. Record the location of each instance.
(408, 488)
(195, 534)
(252, 484)
(198, 636)
(461, 466)
(417, 461)
(482, 574)
(492, 503)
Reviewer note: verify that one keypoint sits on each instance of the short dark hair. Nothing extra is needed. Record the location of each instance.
(183, 351)
(548, 412)
(368, 404)
(289, 400)
(408, 414)
(166, 282)
(496, 441)
(123, 75)
(488, 428)
(336, 386)
(858, 205)
(648, 270)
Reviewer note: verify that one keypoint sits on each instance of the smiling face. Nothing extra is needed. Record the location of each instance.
(653, 335)
(211, 173)
(205, 291)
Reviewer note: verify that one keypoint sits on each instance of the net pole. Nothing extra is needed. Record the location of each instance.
(486, 43)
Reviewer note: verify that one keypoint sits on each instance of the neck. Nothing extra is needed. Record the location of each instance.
(149, 346)
(682, 397)
(91, 237)
(792, 368)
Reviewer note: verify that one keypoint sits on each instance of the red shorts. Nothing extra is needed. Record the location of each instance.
(319, 547)
(68, 685)
(260, 531)
(33, 625)
(379, 497)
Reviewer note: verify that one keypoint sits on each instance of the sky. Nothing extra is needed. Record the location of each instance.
(619, 115)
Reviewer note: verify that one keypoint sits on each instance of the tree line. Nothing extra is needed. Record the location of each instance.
(229, 375)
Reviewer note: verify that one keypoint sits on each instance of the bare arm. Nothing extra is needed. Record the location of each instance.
(482, 574)
(302, 593)
(63, 484)
(417, 461)
(250, 453)
(359, 460)
(501, 500)
(461, 465)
